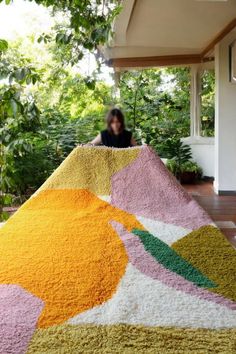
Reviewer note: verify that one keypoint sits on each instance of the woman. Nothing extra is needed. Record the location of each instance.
(115, 135)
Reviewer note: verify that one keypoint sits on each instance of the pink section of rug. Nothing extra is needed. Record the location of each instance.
(147, 188)
(146, 264)
(19, 312)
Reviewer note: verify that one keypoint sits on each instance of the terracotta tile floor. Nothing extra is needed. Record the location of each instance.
(222, 209)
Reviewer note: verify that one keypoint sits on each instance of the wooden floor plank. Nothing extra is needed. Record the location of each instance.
(220, 208)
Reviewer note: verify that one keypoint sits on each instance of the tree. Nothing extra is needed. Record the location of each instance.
(87, 24)
(208, 103)
(46, 110)
(19, 115)
(19, 119)
(156, 102)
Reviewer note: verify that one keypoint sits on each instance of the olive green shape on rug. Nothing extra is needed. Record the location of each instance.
(131, 339)
(171, 260)
(209, 251)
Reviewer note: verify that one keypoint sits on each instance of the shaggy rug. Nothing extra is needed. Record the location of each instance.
(111, 255)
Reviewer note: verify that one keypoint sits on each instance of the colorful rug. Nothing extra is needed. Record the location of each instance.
(111, 255)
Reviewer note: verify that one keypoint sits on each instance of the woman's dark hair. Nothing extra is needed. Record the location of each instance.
(115, 112)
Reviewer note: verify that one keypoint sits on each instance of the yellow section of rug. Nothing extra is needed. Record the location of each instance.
(130, 339)
(52, 248)
(91, 168)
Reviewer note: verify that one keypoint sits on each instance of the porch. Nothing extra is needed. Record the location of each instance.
(154, 33)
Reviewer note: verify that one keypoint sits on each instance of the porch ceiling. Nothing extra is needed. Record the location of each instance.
(171, 30)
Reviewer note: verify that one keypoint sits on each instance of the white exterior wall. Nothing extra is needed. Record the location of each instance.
(203, 151)
(225, 121)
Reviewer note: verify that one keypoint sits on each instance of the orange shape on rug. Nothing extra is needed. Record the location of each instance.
(61, 247)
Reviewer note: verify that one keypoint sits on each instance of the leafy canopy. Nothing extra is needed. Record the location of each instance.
(88, 24)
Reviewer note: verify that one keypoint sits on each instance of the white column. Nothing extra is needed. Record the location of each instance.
(195, 103)
(116, 89)
(202, 147)
(225, 120)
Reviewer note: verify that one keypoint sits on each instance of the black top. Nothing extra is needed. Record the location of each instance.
(122, 140)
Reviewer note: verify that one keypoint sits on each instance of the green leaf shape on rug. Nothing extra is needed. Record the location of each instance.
(170, 259)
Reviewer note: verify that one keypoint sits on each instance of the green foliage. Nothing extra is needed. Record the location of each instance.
(157, 105)
(5, 200)
(31, 146)
(208, 106)
(173, 167)
(176, 149)
(190, 166)
(155, 113)
(3, 45)
(19, 119)
(87, 24)
(178, 154)
(64, 133)
(45, 112)
(179, 161)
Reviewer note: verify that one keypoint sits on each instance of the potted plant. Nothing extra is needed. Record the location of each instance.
(180, 161)
(190, 172)
(187, 172)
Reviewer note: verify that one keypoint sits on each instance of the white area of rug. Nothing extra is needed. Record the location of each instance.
(142, 300)
(165, 232)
